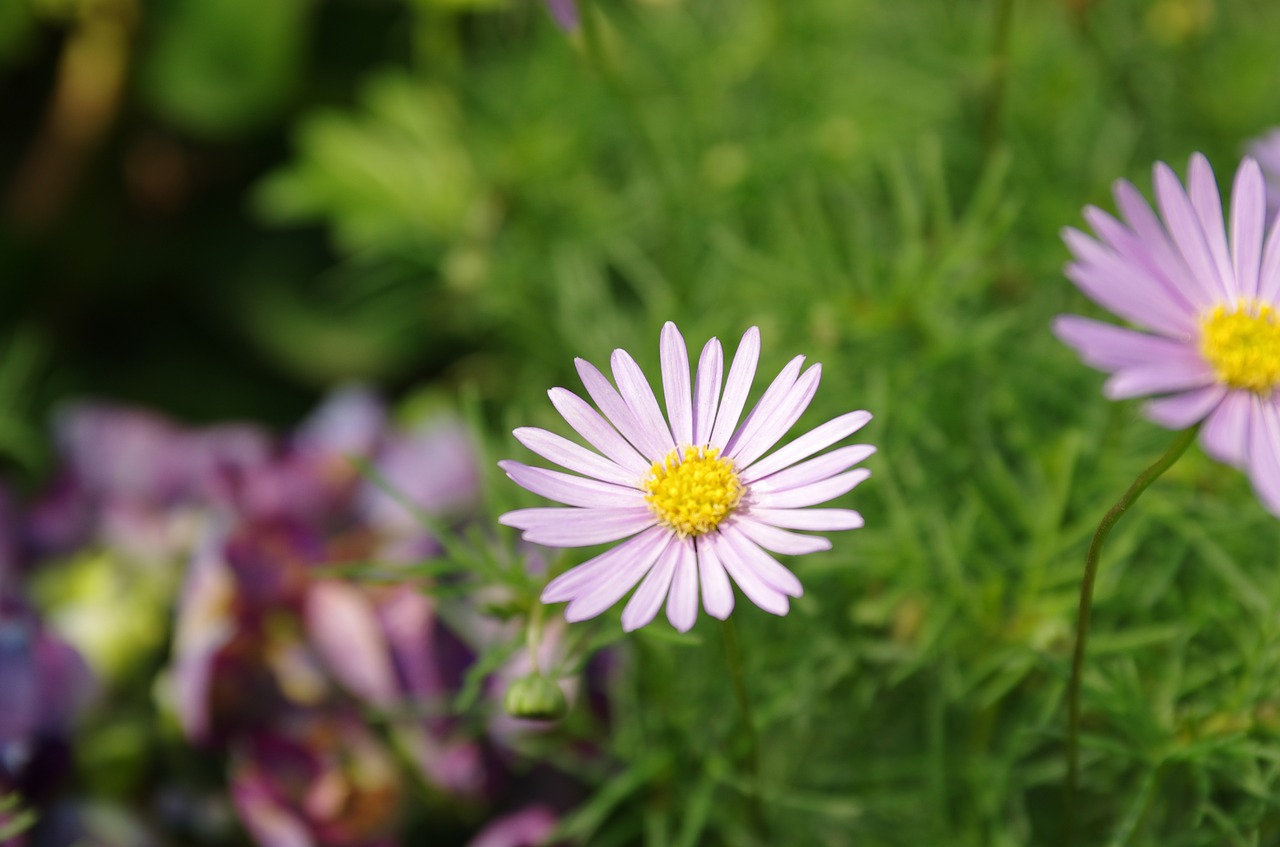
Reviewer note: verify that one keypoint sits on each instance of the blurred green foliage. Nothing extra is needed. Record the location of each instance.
(293, 193)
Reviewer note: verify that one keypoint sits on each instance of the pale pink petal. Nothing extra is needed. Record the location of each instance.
(1207, 204)
(1173, 271)
(818, 520)
(757, 590)
(815, 470)
(737, 386)
(776, 424)
(1248, 226)
(587, 422)
(682, 603)
(1264, 453)
(1158, 262)
(645, 603)
(635, 390)
(707, 391)
(1269, 275)
(768, 405)
(591, 573)
(612, 587)
(575, 457)
(1180, 411)
(571, 490)
(717, 593)
(811, 495)
(578, 527)
(779, 540)
(622, 416)
(765, 566)
(1188, 237)
(1109, 347)
(1177, 374)
(1124, 288)
(806, 445)
(1225, 436)
(675, 383)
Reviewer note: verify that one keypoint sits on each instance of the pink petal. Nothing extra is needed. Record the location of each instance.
(611, 587)
(1264, 453)
(587, 422)
(1184, 226)
(1180, 411)
(765, 566)
(1248, 226)
(1269, 275)
(717, 593)
(1225, 436)
(818, 520)
(571, 490)
(779, 540)
(682, 603)
(815, 470)
(737, 386)
(645, 603)
(1157, 260)
(675, 383)
(811, 495)
(578, 527)
(757, 590)
(775, 424)
(768, 405)
(1207, 204)
(574, 457)
(1177, 374)
(635, 390)
(1172, 272)
(1124, 288)
(616, 410)
(1109, 348)
(591, 573)
(707, 391)
(806, 445)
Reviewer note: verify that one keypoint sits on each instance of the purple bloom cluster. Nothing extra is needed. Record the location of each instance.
(321, 693)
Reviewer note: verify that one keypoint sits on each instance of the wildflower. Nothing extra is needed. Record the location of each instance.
(695, 499)
(1205, 304)
(564, 13)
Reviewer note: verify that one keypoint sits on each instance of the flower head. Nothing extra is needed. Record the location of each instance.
(1204, 304)
(689, 491)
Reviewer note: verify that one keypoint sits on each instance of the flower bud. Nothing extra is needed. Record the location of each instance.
(535, 697)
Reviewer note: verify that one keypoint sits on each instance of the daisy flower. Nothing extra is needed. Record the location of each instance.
(1205, 304)
(690, 492)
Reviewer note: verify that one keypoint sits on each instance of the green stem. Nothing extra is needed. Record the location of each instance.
(733, 657)
(1148, 476)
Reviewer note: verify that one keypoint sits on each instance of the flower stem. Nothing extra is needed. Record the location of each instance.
(1148, 476)
(733, 657)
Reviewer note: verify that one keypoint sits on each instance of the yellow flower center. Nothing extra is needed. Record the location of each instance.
(1243, 345)
(693, 490)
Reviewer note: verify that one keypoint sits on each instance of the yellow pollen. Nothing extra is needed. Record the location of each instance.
(1243, 345)
(693, 490)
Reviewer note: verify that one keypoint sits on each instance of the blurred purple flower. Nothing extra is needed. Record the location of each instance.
(316, 782)
(1265, 149)
(44, 685)
(564, 13)
(433, 467)
(528, 827)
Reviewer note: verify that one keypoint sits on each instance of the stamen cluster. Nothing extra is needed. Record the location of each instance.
(1243, 346)
(693, 490)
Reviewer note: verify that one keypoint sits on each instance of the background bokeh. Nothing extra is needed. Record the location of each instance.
(225, 211)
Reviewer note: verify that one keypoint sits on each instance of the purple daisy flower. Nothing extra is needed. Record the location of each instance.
(694, 498)
(1207, 306)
